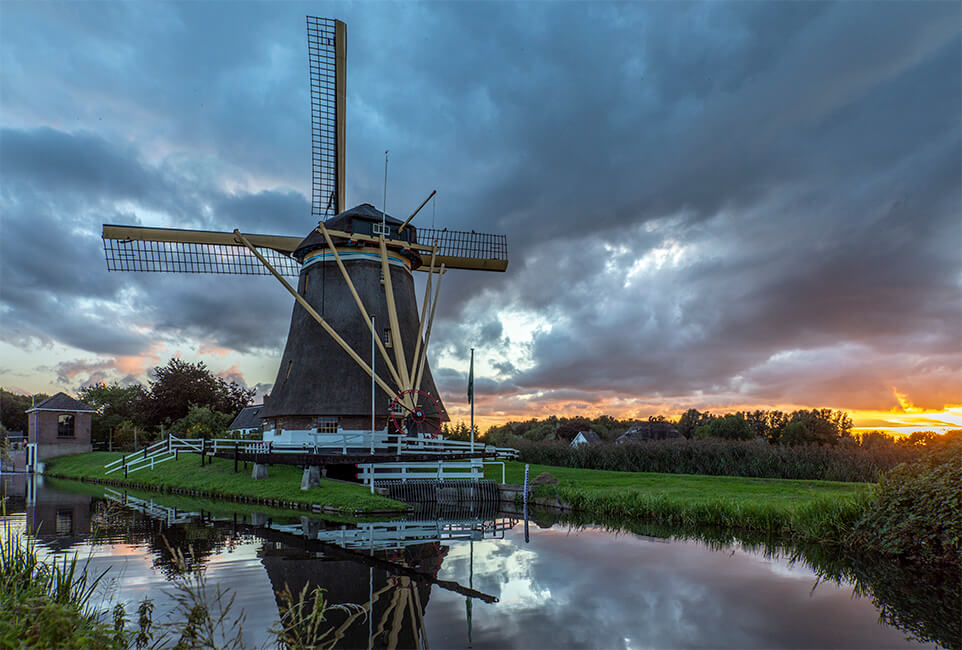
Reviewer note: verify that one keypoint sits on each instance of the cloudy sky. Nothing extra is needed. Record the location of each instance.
(713, 205)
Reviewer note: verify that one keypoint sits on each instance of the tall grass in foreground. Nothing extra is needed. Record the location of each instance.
(751, 458)
(40, 600)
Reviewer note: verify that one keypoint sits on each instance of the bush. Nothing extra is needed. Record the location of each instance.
(918, 513)
(752, 458)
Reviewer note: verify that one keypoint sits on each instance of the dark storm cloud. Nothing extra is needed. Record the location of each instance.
(746, 200)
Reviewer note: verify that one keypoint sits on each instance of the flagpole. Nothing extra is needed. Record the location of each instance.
(471, 396)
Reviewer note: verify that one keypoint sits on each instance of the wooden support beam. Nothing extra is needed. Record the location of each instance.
(365, 314)
(392, 317)
(424, 313)
(427, 334)
(313, 312)
(414, 214)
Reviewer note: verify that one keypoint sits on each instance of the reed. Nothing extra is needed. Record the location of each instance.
(752, 458)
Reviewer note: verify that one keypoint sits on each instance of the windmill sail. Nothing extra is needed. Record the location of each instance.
(327, 56)
(173, 250)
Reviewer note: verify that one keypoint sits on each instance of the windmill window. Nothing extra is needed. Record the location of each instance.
(387, 338)
(398, 409)
(379, 229)
(325, 425)
(65, 426)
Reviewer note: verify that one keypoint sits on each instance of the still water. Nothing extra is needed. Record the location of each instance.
(455, 580)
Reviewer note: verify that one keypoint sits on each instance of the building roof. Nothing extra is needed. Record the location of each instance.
(345, 222)
(645, 431)
(62, 402)
(248, 418)
(589, 436)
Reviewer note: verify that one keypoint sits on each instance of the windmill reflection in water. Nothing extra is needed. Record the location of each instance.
(403, 558)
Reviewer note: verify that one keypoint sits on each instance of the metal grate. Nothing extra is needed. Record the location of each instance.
(187, 257)
(321, 54)
(456, 243)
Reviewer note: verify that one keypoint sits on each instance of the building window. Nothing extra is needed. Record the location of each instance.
(325, 425)
(378, 229)
(387, 338)
(65, 426)
(398, 409)
(64, 523)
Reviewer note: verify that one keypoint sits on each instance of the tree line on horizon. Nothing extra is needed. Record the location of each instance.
(800, 427)
(180, 397)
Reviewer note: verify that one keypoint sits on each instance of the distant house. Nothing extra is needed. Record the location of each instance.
(247, 422)
(645, 431)
(60, 426)
(585, 438)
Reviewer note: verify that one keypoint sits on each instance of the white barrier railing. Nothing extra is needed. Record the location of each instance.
(438, 470)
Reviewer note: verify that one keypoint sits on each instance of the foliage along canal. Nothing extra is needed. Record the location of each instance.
(472, 579)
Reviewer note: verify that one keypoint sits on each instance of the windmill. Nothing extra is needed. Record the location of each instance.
(355, 284)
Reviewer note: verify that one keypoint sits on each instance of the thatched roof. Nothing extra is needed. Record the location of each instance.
(316, 376)
(355, 220)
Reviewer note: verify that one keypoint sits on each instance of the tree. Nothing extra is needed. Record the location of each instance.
(13, 409)
(179, 385)
(691, 420)
(731, 426)
(202, 422)
(115, 405)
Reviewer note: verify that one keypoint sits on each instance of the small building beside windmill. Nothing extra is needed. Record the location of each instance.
(585, 438)
(60, 426)
(645, 431)
(248, 422)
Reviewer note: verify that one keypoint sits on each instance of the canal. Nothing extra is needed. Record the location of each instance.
(480, 578)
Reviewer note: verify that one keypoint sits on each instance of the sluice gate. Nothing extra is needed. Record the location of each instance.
(452, 492)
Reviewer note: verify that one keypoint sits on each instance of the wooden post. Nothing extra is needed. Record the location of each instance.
(392, 317)
(313, 312)
(360, 305)
(203, 450)
(427, 334)
(235, 459)
(424, 312)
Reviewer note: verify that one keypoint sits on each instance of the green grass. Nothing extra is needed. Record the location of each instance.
(821, 511)
(218, 480)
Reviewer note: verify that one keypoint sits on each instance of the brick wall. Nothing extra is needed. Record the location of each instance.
(42, 428)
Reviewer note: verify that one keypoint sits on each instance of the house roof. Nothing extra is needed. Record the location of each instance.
(62, 402)
(589, 436)
(648, 431)
(248, 418)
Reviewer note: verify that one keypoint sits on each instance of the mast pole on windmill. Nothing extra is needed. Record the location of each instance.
(384, 204)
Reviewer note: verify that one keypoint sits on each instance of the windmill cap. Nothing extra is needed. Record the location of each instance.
(355, 220)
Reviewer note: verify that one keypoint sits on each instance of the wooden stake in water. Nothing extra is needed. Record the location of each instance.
(526, 503)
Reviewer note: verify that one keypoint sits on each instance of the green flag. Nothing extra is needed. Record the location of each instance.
(471, 379)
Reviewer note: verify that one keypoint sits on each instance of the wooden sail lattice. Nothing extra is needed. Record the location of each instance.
(192, 257)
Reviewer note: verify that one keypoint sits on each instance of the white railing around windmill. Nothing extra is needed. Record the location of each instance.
(341, 442)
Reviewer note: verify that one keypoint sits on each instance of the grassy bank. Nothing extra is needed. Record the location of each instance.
(218, 480)
(815, 510)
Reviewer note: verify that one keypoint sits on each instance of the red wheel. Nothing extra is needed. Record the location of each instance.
(415, 412)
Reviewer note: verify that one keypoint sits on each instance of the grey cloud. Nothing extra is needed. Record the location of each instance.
(806, 154)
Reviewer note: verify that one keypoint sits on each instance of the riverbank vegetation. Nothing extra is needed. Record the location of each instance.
(750, 458)
(218, 480)
(913, 513)
(818, 510)
(47, 604)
